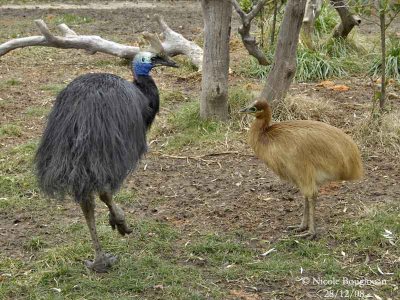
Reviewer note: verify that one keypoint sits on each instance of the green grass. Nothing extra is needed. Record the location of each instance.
(126, 196)
(313, 66)
(13, 82)
(250, 68)
(146, 267)
(172, 96)
(184, 128)
(70, 19)
(53, 88)
(37, 111)
(326, 21)
(392, 62)
(16, 173)
(10, 130)
(336, 58)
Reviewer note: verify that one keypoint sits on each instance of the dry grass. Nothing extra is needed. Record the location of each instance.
(382, 132)
(303, 107)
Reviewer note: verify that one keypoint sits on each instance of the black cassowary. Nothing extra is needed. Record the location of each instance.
(95, 135)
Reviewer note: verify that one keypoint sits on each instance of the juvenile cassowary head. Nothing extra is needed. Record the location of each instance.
(259, 109)
(144, 61)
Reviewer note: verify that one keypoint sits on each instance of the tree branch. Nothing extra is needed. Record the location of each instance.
(174, 43)
(348, 20)
(249, 41)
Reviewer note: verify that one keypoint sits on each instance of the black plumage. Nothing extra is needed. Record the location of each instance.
(96, 134)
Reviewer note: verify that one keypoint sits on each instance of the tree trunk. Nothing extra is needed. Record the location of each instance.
(382, 19)
(214, 88)
(348, 20)
(282, 73)
(312, 11)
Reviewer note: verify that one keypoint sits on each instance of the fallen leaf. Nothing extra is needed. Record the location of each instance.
(326, 83)
(339, 88)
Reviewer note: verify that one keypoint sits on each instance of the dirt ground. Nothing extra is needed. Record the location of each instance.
(221, 190)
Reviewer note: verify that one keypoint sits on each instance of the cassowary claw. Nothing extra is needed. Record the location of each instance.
(297, 228)
(308, 235)
(102, 263)
(120, 224)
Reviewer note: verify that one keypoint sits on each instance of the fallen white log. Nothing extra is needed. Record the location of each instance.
(173, 43)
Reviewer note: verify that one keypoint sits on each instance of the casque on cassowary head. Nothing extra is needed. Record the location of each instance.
(95, 135)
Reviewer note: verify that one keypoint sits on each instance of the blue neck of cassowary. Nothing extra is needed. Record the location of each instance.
(142, 69)
(148, 87)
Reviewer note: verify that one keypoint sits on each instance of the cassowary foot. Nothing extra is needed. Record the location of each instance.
(102, 263)
(117, 220)
(308, 235)
(297, 228)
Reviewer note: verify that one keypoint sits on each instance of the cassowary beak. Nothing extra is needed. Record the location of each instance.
(164, 61)
(248, 110)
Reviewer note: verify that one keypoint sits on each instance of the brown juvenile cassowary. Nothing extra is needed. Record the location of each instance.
(95, 136)
(305, 153)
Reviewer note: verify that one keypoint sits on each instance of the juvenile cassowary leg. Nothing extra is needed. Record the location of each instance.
(102, 260)
(304, 223)
(311, 233)
(117, 216)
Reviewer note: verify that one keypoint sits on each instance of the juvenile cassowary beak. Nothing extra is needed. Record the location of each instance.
(164, 61)
(248, 110)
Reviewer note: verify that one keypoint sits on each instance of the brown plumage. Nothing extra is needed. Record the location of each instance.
(305, 153)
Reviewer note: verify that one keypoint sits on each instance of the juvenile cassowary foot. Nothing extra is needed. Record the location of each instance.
(297, 228)
(305, 221)
(102, 263)
(117, 220)
(309, 235)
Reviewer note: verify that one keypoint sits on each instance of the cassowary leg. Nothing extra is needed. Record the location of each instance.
(304, 223)
(311, 233)
(103, 261)
(116, 216)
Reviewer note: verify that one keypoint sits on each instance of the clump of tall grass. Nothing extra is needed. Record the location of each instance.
(317, 65)
(326, 21)
(380, 132)
(392, 62)
(252, 69)
(303, 107)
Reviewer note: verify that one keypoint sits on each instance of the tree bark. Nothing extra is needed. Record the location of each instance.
(248, 40)
(214, 89)
(282, 73)
(348, 20)
(312, 11)
(382, 21)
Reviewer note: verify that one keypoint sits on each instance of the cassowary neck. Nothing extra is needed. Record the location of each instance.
(257, 134)
(148, 87)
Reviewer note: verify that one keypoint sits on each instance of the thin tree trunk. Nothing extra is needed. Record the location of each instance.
(274, 22)
(382, 18)
(214, 88)
(312, 11)
(284, 68)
